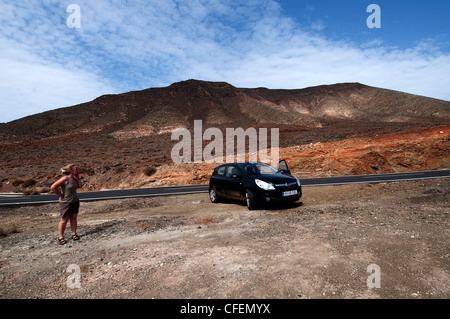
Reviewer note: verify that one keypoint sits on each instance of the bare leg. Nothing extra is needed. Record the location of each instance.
(73, 223)
(62, 226)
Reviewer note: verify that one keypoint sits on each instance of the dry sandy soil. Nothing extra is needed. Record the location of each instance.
(186, 247)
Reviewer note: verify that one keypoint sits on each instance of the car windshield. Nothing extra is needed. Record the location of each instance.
(259, 168)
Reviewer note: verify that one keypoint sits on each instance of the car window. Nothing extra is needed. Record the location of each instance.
(232, 170)
(221, 171)
(259, 168)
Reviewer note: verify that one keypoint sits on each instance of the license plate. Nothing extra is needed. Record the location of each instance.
(289, 193)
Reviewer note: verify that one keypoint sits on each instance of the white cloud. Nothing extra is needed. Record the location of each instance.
(27, 88)
(130, 45)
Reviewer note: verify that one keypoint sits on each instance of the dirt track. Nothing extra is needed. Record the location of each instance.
(186, 247)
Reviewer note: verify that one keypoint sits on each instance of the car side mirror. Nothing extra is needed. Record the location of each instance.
(285, 171)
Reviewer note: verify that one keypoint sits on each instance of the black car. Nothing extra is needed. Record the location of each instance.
(255, 183)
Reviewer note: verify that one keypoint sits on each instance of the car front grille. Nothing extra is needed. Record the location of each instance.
(286, 186)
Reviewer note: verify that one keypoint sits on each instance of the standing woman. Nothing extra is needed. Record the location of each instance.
(69, 203)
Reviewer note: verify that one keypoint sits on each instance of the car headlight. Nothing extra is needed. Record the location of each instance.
(298, 182)
(264, 185)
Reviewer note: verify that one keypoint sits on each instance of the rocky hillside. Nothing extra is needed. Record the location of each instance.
(325, 130)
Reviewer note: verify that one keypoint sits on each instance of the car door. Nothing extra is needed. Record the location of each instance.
(283, 167)
(233, 182)
(220, 180)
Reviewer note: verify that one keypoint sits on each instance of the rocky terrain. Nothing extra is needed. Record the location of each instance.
(339, 129)
(186, 247)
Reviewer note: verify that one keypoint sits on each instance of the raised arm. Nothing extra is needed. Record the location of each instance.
(77, 176)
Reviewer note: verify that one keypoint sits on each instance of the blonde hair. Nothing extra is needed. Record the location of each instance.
(66, 169)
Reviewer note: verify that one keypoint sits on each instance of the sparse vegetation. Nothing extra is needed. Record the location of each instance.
(119, 169)
(43, 190)
(149, 170)
(31, 192)
(17, 182)
(6, 232)
(29, 182)
(25, 183)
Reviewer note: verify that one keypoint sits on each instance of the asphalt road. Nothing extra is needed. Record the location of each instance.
(191, 189)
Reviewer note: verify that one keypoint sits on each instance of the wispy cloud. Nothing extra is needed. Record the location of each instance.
(129, 45)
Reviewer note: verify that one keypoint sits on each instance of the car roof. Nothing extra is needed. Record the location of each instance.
(240, 164)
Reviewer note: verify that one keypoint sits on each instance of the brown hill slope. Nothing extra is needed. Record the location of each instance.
(114, 137)
(218, 103)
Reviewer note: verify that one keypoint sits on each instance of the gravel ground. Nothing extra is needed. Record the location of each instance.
(186, 247)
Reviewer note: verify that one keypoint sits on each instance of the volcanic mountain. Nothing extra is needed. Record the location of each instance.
(346, 128)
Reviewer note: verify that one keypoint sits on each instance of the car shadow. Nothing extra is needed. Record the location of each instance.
(279, 206)
(265, 205)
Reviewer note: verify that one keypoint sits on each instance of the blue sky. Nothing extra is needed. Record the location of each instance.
(404, 22)
(132, 45)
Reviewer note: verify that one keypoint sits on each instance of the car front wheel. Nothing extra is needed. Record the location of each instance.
(213, 195)
(251, 204)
